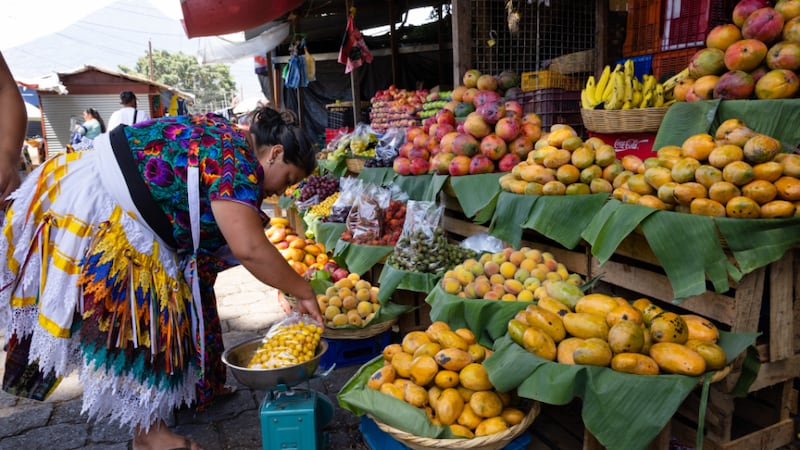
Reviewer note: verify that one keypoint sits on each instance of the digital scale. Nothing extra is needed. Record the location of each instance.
(293, 418)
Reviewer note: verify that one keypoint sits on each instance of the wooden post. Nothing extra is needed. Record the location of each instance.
(393, 39)
(601, 37)
(462, 38)
(441, 42)
(355, 85)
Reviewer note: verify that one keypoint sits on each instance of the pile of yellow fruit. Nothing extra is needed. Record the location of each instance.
(440, 371)
(736, 173)
(323, 208)
(601, 330)
(509, 275)
(288, 345)
(302, 254)
(350, 301)
(561, 163)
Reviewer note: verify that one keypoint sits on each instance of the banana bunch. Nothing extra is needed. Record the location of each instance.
(621, 89)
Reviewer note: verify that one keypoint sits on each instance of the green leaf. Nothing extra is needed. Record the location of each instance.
(392, 278)
(328, 233)
(488, 319)
(623, 411)
(476, 192)
(421, 187)
(335, 167)
(563, 218)
(512, 211)
(360, 258)
(684, 119)
(285, 202)
(611, 225)
(758, 242)
(379, 176)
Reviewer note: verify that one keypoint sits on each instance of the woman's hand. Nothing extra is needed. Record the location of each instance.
(311, 307)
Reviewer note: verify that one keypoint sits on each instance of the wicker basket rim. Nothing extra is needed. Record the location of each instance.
(492, 441)
(621, 121)
(358, 333)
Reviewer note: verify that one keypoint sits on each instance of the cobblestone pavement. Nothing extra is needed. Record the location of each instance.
(247, 309)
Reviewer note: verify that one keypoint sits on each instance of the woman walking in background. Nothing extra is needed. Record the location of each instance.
(92, 126)
(112, 259)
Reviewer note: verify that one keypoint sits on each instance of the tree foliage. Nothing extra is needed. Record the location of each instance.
(211, 84)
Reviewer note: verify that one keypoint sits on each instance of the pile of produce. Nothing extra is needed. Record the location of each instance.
(360, 142)
(510, 275)
(287, 345)
(621, 89)
(562, 163)
(395, 107)
(600, 330)
(434, 102)
(381, 227)
(419, 252)
(737, 173)
(350, 301)
(440, 371)
(318, 186)
(302, 254)
(756, 56)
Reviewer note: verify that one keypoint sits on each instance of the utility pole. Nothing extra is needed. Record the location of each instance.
(150, 57)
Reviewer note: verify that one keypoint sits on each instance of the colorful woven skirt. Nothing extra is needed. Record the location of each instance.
(87, 286)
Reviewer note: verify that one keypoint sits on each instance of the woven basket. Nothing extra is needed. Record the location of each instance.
(495, 441)
(574, 62)
(638, 120)
(355, 164)
(358, 333)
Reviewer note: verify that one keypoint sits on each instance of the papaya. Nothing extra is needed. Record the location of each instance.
(585, 325)
(700, 328)
(491, 425)
(669, 327)
(449, 406)
(546, 321)
(474, 376)
(412, 340)
(415, 394)
(539, 343)
(566, 348)
(423, 369)
(677, 358)
(486, 404)
(599, 304)
(626, 337)
(449, 339)
(461, 431)
(554, 306)
(383, 375)
(566, 293)
(593, 352)
(713, 354)
(453, 359)
(635, 363)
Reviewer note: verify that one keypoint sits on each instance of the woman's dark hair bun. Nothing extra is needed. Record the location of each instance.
(289, 117)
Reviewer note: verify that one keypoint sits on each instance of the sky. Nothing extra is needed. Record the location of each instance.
(48, 36)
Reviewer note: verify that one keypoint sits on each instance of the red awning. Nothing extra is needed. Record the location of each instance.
(216, 17)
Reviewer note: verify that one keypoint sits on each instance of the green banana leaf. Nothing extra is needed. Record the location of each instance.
(758, 242)
(379, 176)
(328, 233)
(421, 187)
(285, 202)
(392, 278)
(623, 411)
(488, 319)
(477, 194)
(770, 117)
(611, 225)
(563, 218)
(336, 167)
(357, 398)
(512, 211)
(688, 248)
(360, 258)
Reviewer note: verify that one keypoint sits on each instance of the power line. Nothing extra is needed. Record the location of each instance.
(133, 30)
(95, 45)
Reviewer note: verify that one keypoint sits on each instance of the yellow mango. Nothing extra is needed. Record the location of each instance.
(593, 352)
(635, 363)
(566, 348)
(539, 343)
(669, 327)
(599, 304)
(713, 354)
(626, 337)
(677, 358)
(453, 359)
(546, 321)
(449, 406)
(585, 325)
(701, 328)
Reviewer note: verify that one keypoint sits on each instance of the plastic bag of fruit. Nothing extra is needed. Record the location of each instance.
(365, 221)
(423, 246)
(291, 341)
(389, 146)
(350, 189)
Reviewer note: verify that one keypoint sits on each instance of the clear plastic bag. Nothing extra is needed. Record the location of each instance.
(389, 144)
(423, 246)
(291, 341)
(365, 221)
(350, 189)
(362, 139)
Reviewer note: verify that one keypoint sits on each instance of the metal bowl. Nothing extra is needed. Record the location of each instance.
(238, 357)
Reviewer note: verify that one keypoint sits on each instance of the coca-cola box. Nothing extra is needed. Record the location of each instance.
(639, 144)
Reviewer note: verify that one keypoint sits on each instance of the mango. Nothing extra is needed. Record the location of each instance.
(390, 350)
(624, 311)
(593, 352)
(585, 325)
(701, 328)
(393, 390)
(676, 358)
(539, 343)
(461, 431)
(434, 392)
(385, 374)
(486, 404)
(550, 304)
(626, 337)
(446, 379)
(713, 354)
(634, 363)
(415, 395)
(474, 376)
(651, 310)
(566, 293)
(599, 304)
(402, 364)
(669, 327)
(477, 351)
(423, 369)
(449, 339)
(516, 329)
(449, 406)
(546, 321)
(467, 335)
(414, 339)
(453, 359)
(491, 425)
(512, 416)
(434, 328)
(430, 349)
(566, 349)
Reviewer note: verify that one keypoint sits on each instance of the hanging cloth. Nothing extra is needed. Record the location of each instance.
(353, 52)
(294, 73)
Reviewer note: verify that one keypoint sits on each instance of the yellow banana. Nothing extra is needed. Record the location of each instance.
(279, 221)
(628, 68)
(628, 88)
(586, 103)
(637, 98)
(669, 102)
(616, 99)
(601, 84)
(646, 100)
(659, 100)
(627, 105)
(590, 90)
(649, 83)
(673, 80)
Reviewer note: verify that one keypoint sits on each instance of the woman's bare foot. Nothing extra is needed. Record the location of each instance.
(159, 437)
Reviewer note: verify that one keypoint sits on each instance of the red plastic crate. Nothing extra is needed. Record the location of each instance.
(667, 64)
(687, 23)
(557, 106)
(331, 133)
(643, 28)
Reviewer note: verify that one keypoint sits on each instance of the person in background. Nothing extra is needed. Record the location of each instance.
(91, 127)
(13, 124)
(112, 254)
(128, 114)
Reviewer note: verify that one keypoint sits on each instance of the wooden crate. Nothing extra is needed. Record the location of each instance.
(417, 319)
